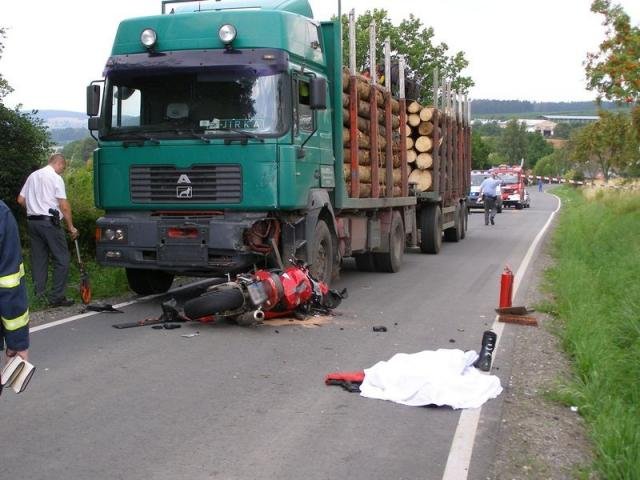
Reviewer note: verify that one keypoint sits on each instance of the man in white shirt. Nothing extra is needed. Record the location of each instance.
(45, 198)
(488, 189)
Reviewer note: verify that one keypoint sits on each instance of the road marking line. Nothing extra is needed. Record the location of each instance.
(62, 321)
(459, 460)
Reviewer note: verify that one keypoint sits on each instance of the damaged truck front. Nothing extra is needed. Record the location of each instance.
(211, 128)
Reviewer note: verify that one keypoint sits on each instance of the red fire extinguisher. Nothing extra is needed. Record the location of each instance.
(506, 287)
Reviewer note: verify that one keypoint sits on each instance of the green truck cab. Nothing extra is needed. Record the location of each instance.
(220, 132)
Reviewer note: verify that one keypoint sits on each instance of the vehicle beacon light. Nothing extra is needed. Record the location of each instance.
(506, 287)
(227, 34)
(148, 38)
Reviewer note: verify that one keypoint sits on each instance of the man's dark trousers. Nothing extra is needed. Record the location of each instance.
(489, 208)
(48, 239)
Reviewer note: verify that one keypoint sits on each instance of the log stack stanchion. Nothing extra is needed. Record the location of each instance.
(371, 139)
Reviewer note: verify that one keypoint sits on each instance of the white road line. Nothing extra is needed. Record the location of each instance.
(459, 459)
(62, 321)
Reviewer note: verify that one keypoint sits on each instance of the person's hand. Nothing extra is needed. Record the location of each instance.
(74, 233)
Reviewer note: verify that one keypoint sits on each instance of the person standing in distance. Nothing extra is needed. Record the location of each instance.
(14, 309)
(488, 191)
(44, 197)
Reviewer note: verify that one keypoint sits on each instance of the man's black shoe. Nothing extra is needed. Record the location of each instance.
(492, 222)
(63, 302)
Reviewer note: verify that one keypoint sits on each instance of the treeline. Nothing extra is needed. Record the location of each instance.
(489, 107)
(62, 136)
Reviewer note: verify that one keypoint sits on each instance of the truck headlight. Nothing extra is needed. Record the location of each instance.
(227, 33)
(114, 234)
(148, 38)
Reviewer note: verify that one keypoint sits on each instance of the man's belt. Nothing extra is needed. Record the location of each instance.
(38, 217)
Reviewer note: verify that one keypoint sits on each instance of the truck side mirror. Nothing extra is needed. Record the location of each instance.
(93, 100)
(318, 94)
(94, 123)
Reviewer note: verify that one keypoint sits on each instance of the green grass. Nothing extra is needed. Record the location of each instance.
(596, 290)
(105, 282)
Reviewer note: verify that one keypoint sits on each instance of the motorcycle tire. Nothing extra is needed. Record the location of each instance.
(215, 302)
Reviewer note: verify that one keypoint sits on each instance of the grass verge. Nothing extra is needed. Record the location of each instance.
(596, 289)
(105, 282)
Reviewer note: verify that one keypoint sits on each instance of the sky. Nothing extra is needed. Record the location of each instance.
(517, 49)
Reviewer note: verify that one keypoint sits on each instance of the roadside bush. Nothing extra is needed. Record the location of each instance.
(79, 184)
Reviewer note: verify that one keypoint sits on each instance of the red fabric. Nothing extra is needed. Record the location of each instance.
(353, 377)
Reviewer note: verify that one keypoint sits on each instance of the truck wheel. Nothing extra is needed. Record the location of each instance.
(321, 261)
(430, 231)
(147, 282)
(464, 221)
(518, 206)
(452, 234)
(364, 262)
(220, 300)
(391, 261)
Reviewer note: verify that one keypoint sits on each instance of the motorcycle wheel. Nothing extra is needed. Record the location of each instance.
(216, 301)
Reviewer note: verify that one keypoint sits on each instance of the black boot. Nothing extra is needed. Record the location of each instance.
(483, 362)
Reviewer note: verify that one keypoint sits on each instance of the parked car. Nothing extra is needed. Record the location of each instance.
(474, 192)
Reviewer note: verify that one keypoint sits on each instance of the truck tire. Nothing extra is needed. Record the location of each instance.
(219, 300)
(391, 261)
(321, 261)
(453, 234)
(364, 262)
(519, 206)
(430, 230)
(148, 282)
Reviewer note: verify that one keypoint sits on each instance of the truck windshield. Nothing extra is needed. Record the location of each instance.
(194, 105)
(507, 179)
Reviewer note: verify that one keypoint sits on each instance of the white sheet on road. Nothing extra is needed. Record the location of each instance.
(441, 377)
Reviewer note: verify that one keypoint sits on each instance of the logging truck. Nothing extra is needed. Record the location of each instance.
(232, 137)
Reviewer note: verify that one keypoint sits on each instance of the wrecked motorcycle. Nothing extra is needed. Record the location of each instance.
(265, 294)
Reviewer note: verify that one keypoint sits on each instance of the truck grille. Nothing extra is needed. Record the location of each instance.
(199, 184)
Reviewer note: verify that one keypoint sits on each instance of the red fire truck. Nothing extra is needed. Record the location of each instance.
(513, 186)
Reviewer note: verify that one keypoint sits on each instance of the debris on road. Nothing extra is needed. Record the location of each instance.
(190, 335)
(170, 314)
(101, 307)
(379, 328)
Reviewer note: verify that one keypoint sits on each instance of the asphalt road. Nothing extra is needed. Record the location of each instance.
(250, 403)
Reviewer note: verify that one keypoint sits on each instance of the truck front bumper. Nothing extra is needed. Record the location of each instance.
(194, 244)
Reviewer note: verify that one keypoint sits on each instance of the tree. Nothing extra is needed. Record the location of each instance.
(489, 129)
(537, 147)
(613, 71)
(606, 145)
(512, 144)
(480, 151)
(80, 151)
(413, 40)
(556, 164)
(24, 144)
(562, 130)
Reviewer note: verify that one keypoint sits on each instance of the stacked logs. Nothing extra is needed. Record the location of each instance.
(363, 138)
(420, 137)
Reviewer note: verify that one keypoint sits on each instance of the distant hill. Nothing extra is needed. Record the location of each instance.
(525, 109)
(64, 126)
(62, 118)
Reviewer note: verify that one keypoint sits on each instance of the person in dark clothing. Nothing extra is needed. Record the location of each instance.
(14, 309)
(45, 199)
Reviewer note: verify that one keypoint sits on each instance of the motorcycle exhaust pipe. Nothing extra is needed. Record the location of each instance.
(247, 319)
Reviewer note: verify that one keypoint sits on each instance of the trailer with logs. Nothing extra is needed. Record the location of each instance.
(248, 147)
